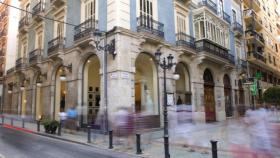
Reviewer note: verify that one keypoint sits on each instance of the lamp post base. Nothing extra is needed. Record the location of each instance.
(166, 146)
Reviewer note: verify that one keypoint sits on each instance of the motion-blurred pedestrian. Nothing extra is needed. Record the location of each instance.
(124, 124)
(71, 122)
(256, 121)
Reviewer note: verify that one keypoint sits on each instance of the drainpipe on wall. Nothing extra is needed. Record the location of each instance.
(2, 97)
(105, 81)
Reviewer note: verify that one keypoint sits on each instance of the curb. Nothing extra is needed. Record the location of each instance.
(24, 130)
(87, 144)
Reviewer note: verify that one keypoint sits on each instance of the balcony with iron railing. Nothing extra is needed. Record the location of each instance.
(57, 3)
(55, 45)
(212, 6)
(20, 63)
(11, 70)
(254, 38)
(85, 29)
(251, 18)
(226, 17)
(38, 11)
(257, 55)
(149, 25)
(35, 56)
(254, 4)
(212, 48)
(242, 63)
(209, 4)
(238, 29)
(23, 24)
(182, 39)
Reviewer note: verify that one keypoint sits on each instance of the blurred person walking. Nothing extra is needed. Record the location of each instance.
(62, 117)
(256, 121)
(124, 125)
(71, 122)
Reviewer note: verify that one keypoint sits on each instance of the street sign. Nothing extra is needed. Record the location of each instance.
(253, 88)
(258, 75)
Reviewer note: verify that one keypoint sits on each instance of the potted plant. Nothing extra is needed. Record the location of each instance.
(53, 126)
(47, 125)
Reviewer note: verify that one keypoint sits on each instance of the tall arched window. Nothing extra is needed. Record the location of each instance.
(146, 8)
(221, 8)
(89, 9)
(207, 77)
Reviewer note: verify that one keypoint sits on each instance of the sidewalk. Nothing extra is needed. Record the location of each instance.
(188, 140)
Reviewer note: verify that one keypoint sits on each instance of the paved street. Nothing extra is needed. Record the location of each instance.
(15, 144)
(191, 140)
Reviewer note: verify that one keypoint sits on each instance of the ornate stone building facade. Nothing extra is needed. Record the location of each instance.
(62, 61)
(260, 18)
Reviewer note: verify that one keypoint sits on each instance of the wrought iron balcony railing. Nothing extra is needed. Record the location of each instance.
(226, 17)
(257, 55)
(184, 39)
(242, 63)
(209, 4)
(238, 27)
(39, 7)
(20, 62)
(10, 70)
(56, 43)
(85, 28)
(251, 13)
(255, 34)
(148, 24)
(215, 49)
(34, 55)
(231, 58)
(23, 21)
(58, 3)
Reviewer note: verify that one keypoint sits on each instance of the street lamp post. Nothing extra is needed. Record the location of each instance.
(165, 65)
(106, 48)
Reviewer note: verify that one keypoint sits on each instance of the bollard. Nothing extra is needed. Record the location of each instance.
(59, 129)
(138, 144)
(22, 123)
(214, 149)
(12, 122)
(38, 126)
(110, 139)
(2, 120)
(89, 134)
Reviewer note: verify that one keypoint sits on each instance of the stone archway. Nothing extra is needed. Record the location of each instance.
(60, 92)
(209, 96)
(91, 90)
(146, 96)
(183, 86)
(228, 96)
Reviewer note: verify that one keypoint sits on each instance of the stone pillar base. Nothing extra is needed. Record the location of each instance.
(198, 117)
(221, 115)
